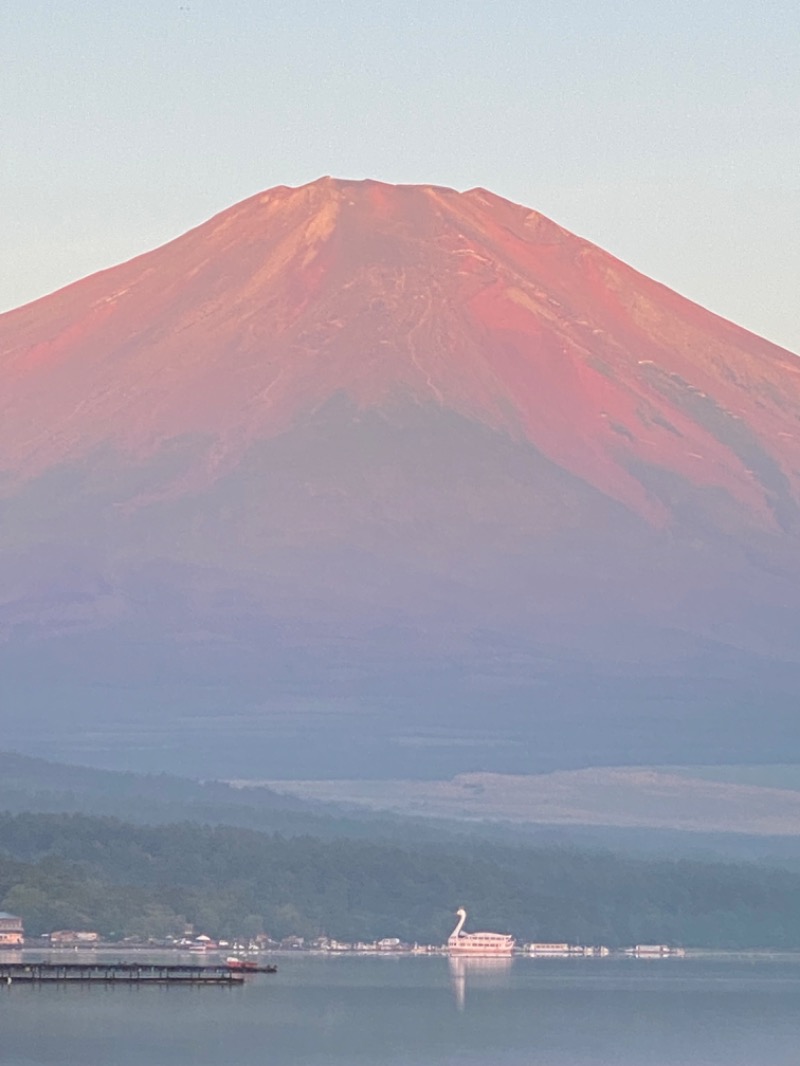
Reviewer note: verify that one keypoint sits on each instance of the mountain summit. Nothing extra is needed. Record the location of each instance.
(404, 454)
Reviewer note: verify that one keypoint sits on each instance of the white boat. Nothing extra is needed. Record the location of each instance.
(487, 945)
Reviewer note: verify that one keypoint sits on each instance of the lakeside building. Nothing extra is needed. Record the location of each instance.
(73, 937)
(654, 951)
(562, 950)
(12, 933)
(552, 949)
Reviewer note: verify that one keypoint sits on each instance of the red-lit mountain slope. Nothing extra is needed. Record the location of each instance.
(353, 406)
(459, 300)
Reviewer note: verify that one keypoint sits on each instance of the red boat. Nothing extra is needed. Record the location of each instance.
(233, 962)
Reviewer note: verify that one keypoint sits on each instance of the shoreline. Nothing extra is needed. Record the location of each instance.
(213, 956)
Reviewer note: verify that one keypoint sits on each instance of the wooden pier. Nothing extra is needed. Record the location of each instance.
(131, 973)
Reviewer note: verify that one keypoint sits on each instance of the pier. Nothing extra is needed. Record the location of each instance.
(131, 973)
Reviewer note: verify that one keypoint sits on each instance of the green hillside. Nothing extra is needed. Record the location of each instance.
(122, 879)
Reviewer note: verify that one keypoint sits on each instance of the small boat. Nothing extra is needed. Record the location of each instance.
(233, 962)
(245, 966)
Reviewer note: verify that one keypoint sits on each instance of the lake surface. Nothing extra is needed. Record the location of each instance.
(413, 1011)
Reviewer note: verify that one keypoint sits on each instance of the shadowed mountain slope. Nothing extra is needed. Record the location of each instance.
(357, 473)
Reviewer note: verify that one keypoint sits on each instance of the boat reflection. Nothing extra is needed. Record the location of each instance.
(481, 973)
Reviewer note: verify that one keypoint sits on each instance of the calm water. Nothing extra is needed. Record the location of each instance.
(404, 1011)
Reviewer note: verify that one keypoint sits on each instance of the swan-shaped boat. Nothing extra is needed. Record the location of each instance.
(487, 945)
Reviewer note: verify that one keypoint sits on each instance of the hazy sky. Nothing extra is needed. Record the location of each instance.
(666, 131)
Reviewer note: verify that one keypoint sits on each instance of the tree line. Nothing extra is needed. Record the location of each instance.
(79, 871)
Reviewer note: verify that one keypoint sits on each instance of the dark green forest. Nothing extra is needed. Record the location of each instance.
(78, 871)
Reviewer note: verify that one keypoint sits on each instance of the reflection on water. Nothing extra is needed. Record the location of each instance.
(404, 1011)
(482, 972)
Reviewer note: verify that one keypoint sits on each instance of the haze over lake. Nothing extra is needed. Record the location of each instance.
(425, 1012)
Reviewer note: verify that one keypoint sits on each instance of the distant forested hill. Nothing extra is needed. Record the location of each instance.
(38, 785)
(28, 784)
(79, 871)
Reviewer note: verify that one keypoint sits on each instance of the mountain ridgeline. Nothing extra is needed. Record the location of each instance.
(360, 479)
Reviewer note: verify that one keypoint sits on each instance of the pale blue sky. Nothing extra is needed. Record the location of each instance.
(668, 132)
